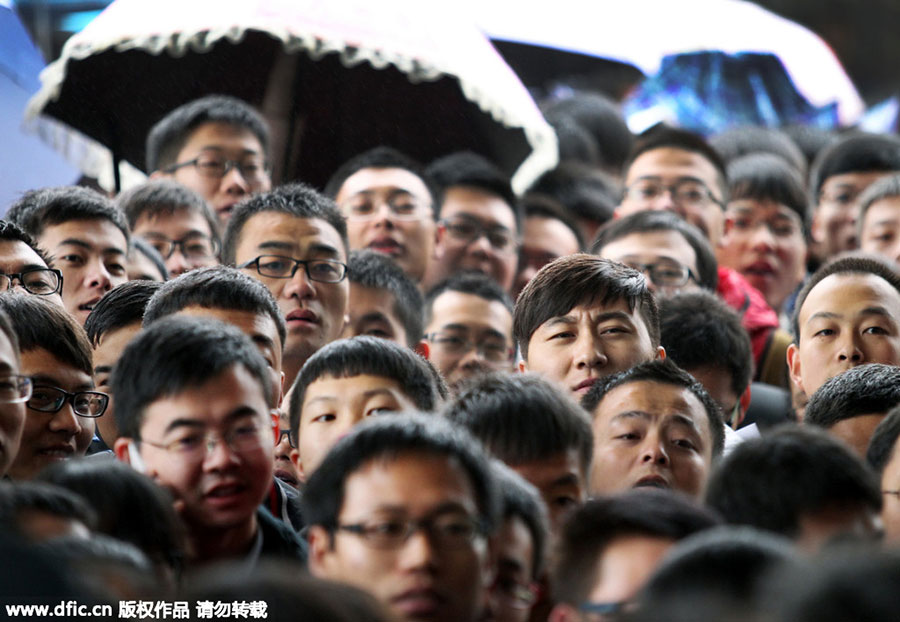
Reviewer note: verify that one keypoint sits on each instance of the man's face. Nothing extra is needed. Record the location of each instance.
(332, 406)
(857, 431)
(845, 321)
(668, 166)
(625, 566)
(469, 335)
(590, 342)
(314, 311)
(12, 415)
(561, 481)
(543, 240)
(663, 257)
(190, 228)
(51, 437)
(881, 229)
(106, 355)
(418, 580)
(371, 312)
(92, 256)
(718, 383)
(834, 218)
(219, 487)
(515, 558)
(890, 511)
(141, 268)
(651, 434)
(492, 246)
(16, 257)
(216, 141)
(389, 210)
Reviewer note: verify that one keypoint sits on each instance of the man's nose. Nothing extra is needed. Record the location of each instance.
(653, 451)
(589, 352)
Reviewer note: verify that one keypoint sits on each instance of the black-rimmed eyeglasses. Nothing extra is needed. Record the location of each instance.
(51, 400)
(37, 281)
(281, 267)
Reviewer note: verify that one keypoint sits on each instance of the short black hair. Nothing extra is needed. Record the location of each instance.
(473, 283)
(346, 358)
(174, 354)
(583, 190)
(520, 499)
(122, 306)
(164, 197)
(536, 205)
(596, 524)
(737, 142)
(581, 279)
(140, 245)
(662, 136)
(371, 269)
(168, 136)
(863, 390)
(603, 120)
(651, 221)
(852, 153)
(885, 188)
(662, 372)
(297, 200)
(852, 264)
(383, 157)
(19, 498)
(470, 170)
(216, 287)
(881, 445)
(699, 330)
(38, 209)
(386, 438)
(39, 323)
(11, 232)
(764, 177)
(773, 481)
(522, 417)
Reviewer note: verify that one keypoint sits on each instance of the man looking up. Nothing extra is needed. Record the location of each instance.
(86, 236)
(294, 240)
(217, 146)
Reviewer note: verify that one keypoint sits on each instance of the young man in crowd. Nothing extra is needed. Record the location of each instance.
(383, 301)
(194, 412)
(16, 389)
(86, 236)
(176, 221)
(405, 231)
(548, 233)
(468, 327)
(56, 356)
(404, 507)
(348, 381)
(878, 222)
(654, 425)
(24, 265)
(294, 240)
(582, 318)
(217, 146)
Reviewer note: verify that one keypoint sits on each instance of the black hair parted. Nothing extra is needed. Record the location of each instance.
(474, 283)
(164, 197)
(169, 135)
(376, 271)
(173, 355)
(521, 500)
(764, 177)
(383, 157)
(522, 417)
(581, 279)
(844, 265)
(590, 528)
(773, 481)
(662, 372)
(297, 200)
(216, 287)
(884, 438)
(372, 356)
(856, 152)
(863, 390)
(122, 306)
(11, 232)
(652, 221)
(699, 330)
(384, 439)
(39, 323)
(38, 209)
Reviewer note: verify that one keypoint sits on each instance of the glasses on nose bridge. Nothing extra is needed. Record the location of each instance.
(684, 192)
(195, 246)
(454, 530)
(286, 434)
(37, 281)
(467, 231)
(401, 206)
(195, 445)
(664, 274)
(254, 170)
(84, 403)
(281, 267)
(491, 350)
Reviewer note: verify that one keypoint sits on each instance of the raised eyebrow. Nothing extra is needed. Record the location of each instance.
(326, 249)
(77, 242)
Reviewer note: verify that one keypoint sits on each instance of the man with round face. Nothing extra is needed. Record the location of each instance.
(547, 234)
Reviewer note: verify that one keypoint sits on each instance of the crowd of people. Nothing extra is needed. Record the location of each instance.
(663, 383)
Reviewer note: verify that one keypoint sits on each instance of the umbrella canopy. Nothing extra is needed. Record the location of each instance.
(333, 79)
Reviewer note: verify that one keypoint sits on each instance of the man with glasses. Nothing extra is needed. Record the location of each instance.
(23, 265)
(294, 240)
(175, 221)
(403, 507)
(389, 204)
(468, 328)
(56, 357)
(193, 406)
(479, 221)
(217, 146)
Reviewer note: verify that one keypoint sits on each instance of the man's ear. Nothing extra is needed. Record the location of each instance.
(275, 418)
(660, 353)
(523, 366)
(816, 233)
(157, 174)
(122, 447)
(563, 612)
(422, 349)
(298, 464)
(439, 232)
(793, 361)
(321, 552)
